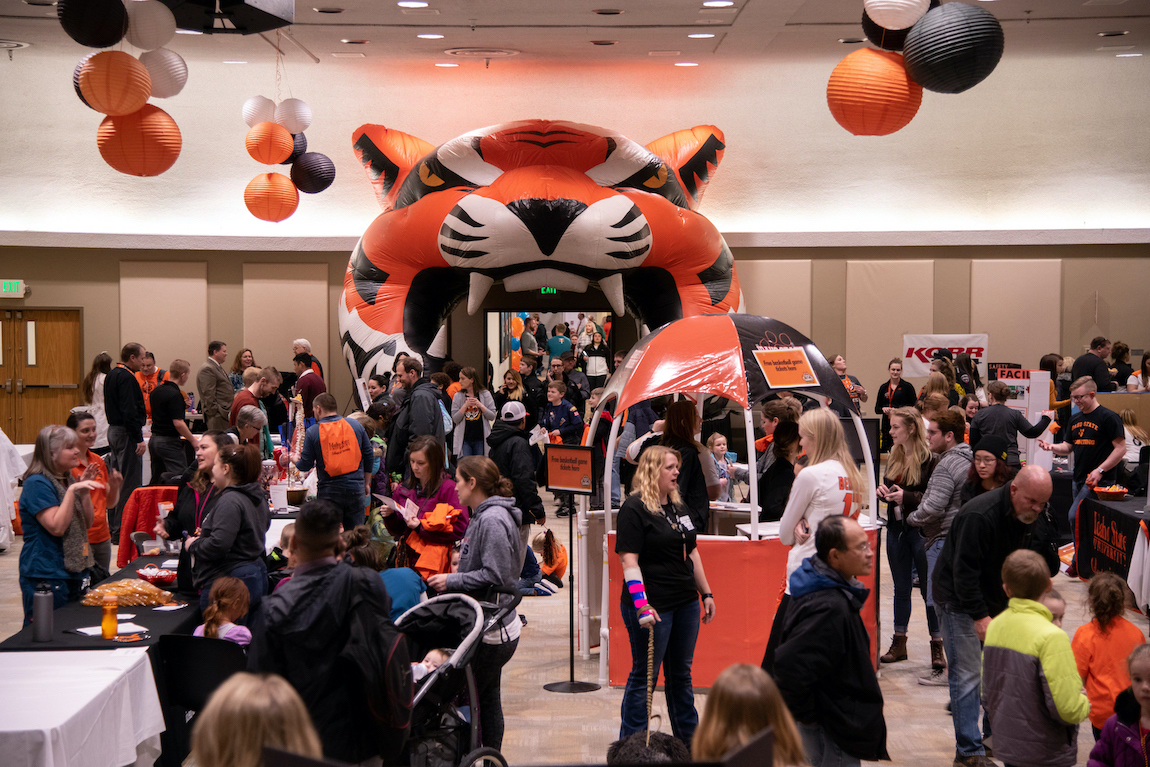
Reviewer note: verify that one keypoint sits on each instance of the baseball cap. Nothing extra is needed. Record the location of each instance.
(513, 411)
(942, 354)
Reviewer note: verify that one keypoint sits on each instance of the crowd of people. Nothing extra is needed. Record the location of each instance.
(434, 487)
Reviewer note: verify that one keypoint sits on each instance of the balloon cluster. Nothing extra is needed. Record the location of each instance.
(515, 331)
(136, 138)
(277, 138)
(921, 44)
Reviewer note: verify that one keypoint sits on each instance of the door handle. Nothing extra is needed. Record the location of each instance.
(19, 385)
(8, 385)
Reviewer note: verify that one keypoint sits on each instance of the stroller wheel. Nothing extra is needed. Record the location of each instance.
(483, 756)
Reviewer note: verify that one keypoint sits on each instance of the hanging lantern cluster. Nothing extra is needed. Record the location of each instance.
(135, 138)
(943, 48)
(276, 137)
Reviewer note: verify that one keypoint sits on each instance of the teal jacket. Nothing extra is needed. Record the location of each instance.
(1031, 688)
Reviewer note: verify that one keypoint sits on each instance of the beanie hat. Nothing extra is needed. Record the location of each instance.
(992, 444)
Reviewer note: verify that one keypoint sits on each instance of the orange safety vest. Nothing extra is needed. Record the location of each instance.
(340, 447)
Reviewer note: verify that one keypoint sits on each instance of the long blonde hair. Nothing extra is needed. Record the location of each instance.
(905, 466)
(742, 703)
(646, 481)
(936, 384)
(1130, 421)
(822, 426)
(248, 712)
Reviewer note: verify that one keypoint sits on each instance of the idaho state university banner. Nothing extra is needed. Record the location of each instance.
(919, 348)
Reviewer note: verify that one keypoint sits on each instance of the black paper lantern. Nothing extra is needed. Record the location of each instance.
(299, 148)
(76, 79)
(312, 172)
(887, 39)
(953, 48)
(94, 23)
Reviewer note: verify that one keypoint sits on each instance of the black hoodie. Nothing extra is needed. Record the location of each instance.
(231, 534)
(512, 453)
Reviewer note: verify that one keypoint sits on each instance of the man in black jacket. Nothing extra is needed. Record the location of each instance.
(124, 403)
(1093, 364)
(302, 632)
(823, 662)
(967, 583)
(419, 414)
(511, 452)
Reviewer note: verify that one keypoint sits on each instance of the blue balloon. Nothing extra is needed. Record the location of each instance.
(522, 315)
(514, 344)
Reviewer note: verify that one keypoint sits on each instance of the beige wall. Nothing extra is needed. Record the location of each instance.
(181, 288)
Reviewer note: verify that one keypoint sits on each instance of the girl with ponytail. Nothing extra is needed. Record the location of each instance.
(228, 602)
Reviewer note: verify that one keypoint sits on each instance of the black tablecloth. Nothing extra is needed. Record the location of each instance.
(75, 615)
(1106, 534)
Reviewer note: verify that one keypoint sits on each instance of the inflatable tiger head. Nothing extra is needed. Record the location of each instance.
(535, 204)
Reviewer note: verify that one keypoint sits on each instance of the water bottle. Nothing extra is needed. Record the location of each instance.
(43, 603)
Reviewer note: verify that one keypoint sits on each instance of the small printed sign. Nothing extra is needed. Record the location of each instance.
(786, 368)
(569, 468)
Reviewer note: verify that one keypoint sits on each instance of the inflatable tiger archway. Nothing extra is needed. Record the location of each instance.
(535, 204)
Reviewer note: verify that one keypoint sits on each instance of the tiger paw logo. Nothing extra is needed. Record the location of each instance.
(532, 204)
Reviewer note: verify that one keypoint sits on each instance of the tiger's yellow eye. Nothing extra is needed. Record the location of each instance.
(429, 178)
(658, 180)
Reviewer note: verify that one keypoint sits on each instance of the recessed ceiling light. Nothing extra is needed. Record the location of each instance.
(1127, 55)
(718, 3)
(604, 42)
(851, 40)
(234, 61)
(430, 37)
(346, 41)
(445, 64)
(701, 35)
(329, 10)
(189, 32)
(412, 4)
(1114, 33)
(686, 64)
(607, 11)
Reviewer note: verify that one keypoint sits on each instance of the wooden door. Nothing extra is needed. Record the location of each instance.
(41, 369)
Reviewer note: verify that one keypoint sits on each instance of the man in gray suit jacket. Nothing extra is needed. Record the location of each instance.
(215, 387)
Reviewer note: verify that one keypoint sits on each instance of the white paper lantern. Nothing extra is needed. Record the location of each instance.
(894, 14)
(168, 70)
(294, 115)
(259, 109)
(150, 24)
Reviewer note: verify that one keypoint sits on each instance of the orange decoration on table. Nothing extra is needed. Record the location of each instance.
(144, 143)
(271, 196)
(269, 143)
(115, 83)
(870, 93)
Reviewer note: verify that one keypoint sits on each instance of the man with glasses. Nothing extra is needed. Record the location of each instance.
(823, 662)
(1098, 440)
(968, 588)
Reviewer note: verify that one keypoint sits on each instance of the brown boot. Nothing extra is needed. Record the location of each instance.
(937, 656)
(897, 650)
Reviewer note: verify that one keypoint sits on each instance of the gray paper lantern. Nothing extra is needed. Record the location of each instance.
(94, 23)
(953, 48)
(297, 150)
(312, 172)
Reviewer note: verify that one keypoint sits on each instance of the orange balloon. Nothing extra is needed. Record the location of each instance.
(515, 357)
(144, 143)
(270, 143)
(271, 196)
(517, 326)
(871, 94)
(115, 83)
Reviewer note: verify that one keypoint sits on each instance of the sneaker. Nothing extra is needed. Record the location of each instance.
(974, 760)
(936, 678)
(561, 513)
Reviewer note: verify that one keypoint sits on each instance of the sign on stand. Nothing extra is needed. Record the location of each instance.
(569, 468)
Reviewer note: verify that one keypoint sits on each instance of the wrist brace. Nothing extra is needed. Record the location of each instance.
(633, 580)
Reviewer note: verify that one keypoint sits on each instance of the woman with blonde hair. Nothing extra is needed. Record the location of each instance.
(246, 713)
(830, 484)
(936, 383)
(743, 702)
(512, 389)
(664, 579)
(907, 471)
(1136, 438)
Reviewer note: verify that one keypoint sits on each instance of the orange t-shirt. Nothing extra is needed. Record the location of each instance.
(1101, 659)
(98, 532)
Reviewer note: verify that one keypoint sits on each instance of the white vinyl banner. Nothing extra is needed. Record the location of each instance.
(916, 359)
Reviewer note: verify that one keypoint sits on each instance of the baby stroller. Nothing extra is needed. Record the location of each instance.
(445, 710)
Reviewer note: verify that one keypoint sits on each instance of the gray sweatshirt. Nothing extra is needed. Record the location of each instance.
(941, 499)
(490, 555)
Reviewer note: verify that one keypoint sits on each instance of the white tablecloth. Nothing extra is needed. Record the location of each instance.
(96, 708)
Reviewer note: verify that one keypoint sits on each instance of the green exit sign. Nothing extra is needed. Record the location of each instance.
(13, 288)
(549, 291)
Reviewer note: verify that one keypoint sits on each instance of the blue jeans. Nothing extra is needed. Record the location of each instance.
(626, 437)
(964, 657)
(932, 553)
(675, 636)
(349, 497)
(1082, 491)
(471, 448)
(254, 575)
(821, 749)
(904, 548)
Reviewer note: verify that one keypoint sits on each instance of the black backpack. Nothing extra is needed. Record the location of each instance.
(380, 668)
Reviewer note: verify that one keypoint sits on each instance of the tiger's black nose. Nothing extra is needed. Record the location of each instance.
(547, 220)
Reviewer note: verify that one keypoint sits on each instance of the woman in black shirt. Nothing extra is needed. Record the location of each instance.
(892, 395)
(663, 578)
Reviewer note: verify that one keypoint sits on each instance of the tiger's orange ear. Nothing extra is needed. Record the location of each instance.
(387, 156)
(693, 154)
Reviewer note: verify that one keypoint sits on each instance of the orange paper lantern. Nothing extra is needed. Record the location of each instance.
(144, 143)
(270, 143)
(870, 93)
(271, 196)
(115, 83)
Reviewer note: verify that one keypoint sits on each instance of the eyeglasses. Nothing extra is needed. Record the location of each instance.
(1081, 397)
